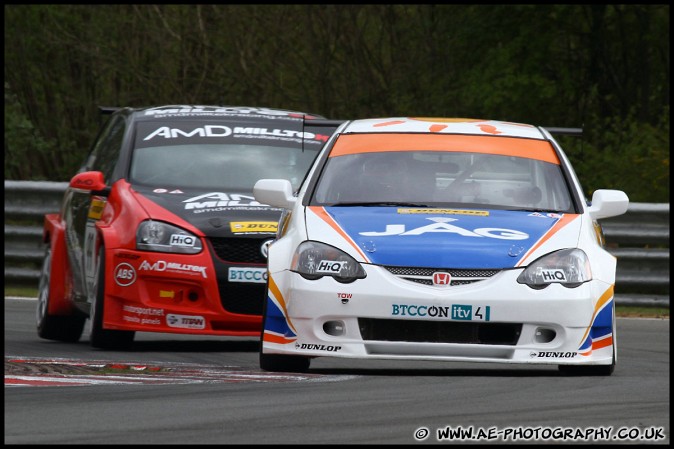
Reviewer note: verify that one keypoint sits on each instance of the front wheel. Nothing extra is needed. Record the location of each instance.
(66, 328)
(284, 363)
(99, 337)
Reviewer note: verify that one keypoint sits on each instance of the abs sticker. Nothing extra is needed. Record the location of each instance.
(125, 274)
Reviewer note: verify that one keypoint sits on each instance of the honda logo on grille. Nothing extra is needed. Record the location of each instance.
(440, 278)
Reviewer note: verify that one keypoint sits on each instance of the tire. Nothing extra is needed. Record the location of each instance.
(99, 337)
(66, 328)
(594, 370)
(277, 362)
(284, 363)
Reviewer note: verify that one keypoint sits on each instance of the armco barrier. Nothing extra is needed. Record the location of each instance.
(639, 239)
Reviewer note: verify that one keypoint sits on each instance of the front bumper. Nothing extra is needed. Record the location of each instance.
(157, 292)
(384, 317)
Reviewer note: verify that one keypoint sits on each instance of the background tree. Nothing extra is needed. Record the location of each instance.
(602, 67)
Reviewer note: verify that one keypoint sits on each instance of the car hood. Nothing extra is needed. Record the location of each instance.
(422, 237)
(214, 213)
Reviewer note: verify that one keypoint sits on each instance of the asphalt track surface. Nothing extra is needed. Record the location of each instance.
(170, 389)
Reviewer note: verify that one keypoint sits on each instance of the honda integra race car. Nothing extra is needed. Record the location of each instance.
(159, 230)
(440, 239)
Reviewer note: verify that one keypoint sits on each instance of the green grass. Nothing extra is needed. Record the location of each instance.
(645, 312)
(26, 292)
(621, 311)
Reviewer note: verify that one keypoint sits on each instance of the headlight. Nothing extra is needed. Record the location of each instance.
(313, 260)
(569, 267)
(165, 238)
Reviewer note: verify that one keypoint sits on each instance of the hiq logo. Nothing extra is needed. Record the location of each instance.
(182, 240)
(330, 266)
(553, 275)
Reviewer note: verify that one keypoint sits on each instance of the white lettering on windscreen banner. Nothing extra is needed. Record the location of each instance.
(219, 199)
(441, 224)
(224, 131)
(216, 110)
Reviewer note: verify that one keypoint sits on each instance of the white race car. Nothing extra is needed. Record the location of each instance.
(440, 239)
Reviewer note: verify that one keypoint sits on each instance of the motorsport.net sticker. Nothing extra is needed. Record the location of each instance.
(553, 434)
(430, 210)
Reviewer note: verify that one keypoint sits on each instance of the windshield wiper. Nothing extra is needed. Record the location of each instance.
(378, 204)
(524, 209)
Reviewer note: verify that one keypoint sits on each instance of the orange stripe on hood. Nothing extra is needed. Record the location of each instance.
(565, 220)
(323, 215)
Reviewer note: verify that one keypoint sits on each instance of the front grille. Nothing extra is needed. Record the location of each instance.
(425, 275)
(239, 249)
(238, 297)
(374, 329)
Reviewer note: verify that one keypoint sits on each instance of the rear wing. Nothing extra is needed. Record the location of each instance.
(324, 127)
(564, 131)
(107, 110)
(551, 129)
(323, 123)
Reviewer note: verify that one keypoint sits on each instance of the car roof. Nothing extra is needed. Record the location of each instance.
(177, 112)
(443, 126)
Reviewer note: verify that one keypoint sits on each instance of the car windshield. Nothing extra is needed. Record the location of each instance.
(234, 167)
(438, 178)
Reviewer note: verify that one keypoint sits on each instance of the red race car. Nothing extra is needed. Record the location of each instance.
(159, 230)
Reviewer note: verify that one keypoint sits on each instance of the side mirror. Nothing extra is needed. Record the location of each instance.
(275, 192)
(608, 203)
(88, 180)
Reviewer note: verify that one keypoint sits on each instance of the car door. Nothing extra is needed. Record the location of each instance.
(81, 207)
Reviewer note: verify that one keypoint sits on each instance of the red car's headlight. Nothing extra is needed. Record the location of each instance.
(166, 238)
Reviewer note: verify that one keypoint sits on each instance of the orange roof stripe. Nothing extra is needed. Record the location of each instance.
(506, 146)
